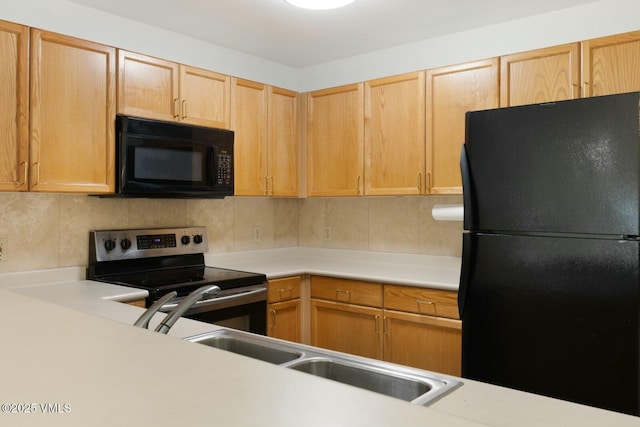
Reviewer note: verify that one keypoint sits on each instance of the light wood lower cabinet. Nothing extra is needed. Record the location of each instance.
(421, 341)
(349, 328)
(138, 303)
(401, 324)
(283, 308)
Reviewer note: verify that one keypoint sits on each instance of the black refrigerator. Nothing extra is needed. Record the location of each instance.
(549, 289)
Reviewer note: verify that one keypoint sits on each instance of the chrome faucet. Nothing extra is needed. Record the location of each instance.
(143, 321)
(185, 305)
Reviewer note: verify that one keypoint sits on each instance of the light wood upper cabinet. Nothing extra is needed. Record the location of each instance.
(72, 98)
(335, 141)
(451, 92)
(394, 135)
(541, 75)
(265, 121)
(205, 97)
(147, 87)
(163, 90)
(283, 146)
(249, 122)
(14, 106)
(611, 64)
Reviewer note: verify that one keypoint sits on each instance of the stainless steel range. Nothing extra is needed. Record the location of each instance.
(172, 260)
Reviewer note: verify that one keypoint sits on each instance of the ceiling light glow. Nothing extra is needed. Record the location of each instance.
(319, 4)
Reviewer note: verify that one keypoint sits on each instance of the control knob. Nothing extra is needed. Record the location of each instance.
(125, 244)
(185, 240)
(109, 244)
(197, 239)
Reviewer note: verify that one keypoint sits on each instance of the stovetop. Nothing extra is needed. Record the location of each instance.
(184, 280)
(160, 261)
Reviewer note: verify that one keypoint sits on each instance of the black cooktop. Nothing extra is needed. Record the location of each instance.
(184, 280)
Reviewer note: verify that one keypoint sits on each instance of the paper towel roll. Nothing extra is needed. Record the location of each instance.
(448, 212)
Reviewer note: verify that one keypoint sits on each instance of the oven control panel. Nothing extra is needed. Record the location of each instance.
(115, 245)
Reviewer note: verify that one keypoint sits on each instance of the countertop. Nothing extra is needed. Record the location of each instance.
(71, 348)
(439, 272)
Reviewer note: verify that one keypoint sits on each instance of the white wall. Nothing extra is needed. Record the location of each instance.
(596, 19)
(83, 22)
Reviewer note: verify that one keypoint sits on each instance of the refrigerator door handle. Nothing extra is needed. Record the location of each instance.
(469, 213)
(468, 250)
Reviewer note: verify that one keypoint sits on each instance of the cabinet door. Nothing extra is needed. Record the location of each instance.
(335, 141)
(611, 64)
(451, 92)
(147, 87)
(542, 75)
(249, 121)
(14, 106)
(283, 154)
(284, 320)
(205, 97)
(424, 342)
(72, 114)
(348, 328)
(394, 135)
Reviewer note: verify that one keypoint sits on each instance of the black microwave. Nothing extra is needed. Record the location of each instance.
(173, 160)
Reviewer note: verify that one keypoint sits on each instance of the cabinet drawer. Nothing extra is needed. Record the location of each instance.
(284, 289)
(411, 299)
(347, 291)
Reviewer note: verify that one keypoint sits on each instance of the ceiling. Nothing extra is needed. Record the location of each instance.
(279, 32)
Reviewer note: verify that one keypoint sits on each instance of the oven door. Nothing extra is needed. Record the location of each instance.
(244, 309)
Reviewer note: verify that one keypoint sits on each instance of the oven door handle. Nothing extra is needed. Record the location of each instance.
(218, 303)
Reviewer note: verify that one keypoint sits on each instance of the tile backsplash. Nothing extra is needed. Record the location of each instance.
(52, 230)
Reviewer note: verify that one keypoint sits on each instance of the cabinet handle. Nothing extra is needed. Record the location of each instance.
(341, 291)
(273, 319)
(36, 166)
(385, 326)
(428, 189)
(273, 186)
(585, 85)
(266, 185)
(175, 112)
(184, 108)
(419, 182)
(358, 185)
(24, 165)
(424, 302)
(377, 324)
(290, 290)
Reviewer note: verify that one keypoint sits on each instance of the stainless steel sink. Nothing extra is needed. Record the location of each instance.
(368, 377)
(248, 345)
(410, 384)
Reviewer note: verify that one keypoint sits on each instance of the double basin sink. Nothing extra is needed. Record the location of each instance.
(413, 385)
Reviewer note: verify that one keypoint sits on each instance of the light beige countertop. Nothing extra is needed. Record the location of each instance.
(71, 343)
(439, 272)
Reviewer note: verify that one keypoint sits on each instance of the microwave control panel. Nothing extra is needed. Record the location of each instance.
(225, 169)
